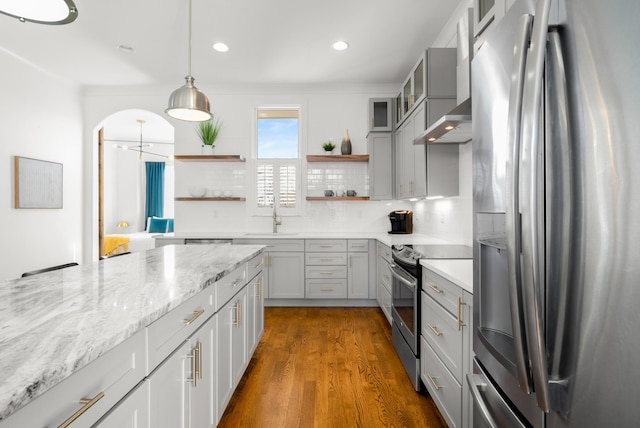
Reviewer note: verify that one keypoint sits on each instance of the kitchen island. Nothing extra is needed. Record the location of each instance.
(55, 324)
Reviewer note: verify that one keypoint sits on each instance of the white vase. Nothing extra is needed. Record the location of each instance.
(207, 150)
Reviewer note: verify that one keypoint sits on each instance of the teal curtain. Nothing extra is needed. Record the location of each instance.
(154, 206)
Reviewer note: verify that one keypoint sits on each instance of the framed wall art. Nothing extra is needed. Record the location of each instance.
(37, 183)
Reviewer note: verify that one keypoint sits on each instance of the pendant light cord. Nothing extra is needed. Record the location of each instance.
(189, 50)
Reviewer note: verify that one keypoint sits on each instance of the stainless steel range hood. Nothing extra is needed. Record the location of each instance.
(455, 126)
(452, 128)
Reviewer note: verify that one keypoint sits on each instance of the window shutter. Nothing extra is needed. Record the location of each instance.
(288, 186)
(264, 180)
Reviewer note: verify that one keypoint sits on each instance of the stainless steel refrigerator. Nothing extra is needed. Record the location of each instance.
(556, 188)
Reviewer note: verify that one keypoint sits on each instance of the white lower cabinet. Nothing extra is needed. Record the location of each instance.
(446, 346)
(383, 279)
(131, 412)
(231, 348)
(255, 313)
(169, 390)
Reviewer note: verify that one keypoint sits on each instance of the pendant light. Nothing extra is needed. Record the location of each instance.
(188, 103)
(51, 12)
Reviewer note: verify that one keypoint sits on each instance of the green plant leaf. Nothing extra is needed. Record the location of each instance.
(208, 131)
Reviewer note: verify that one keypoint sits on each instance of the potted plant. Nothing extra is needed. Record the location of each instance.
(208, 132)
(328, 147)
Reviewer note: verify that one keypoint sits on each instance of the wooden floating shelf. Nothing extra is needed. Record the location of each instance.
(211, 198)
(337, 198)
(337, 158)
(210, 158)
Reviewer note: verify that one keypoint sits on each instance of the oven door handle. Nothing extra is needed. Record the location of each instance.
(400, 275)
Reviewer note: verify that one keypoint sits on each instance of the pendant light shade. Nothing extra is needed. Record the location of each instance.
(51, 12)
(188, 103)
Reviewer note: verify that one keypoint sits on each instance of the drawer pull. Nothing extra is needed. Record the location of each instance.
(261, 264)
(237, 282)
(433, 382)
(357, 245)
(326, 289)
(86, 404)
(387, 277)
(435, 288)
(195, 316)
(460, 323)
(326, 260)
(326, 246)
(434, 329)
(325, 273)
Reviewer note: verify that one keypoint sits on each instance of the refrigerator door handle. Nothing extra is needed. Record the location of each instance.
(532, 206)
(512, 213)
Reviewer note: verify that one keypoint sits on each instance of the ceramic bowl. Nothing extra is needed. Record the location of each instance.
(197, 191)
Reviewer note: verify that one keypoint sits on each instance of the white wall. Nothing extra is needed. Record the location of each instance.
(41, 119)
(327, 112)
(450, 218)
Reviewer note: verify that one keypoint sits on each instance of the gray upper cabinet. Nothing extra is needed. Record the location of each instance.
(381, 114)
(380, 150)
(433, 76)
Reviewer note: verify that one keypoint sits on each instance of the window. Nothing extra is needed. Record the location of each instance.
(278, 161)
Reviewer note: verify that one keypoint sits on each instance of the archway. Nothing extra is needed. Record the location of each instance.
(129, 139)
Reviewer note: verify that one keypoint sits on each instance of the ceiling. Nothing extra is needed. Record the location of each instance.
(271, 42)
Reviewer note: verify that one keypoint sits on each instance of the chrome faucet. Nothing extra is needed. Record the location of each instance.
(276, 222)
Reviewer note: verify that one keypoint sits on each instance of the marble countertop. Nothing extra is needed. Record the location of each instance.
(55, 323)
(460, 272)
(385, 238)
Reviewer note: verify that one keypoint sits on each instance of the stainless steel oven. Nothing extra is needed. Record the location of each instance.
(406, 286)
(405, 312)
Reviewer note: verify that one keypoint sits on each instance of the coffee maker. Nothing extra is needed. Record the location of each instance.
(401, 222)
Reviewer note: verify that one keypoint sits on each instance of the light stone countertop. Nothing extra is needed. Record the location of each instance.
(383, 237)
(53, 324)
(460, 272)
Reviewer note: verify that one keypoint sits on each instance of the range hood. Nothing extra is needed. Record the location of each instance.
(455, 126)
(452, 128)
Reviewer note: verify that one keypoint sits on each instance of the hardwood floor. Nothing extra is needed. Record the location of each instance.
(327, 367)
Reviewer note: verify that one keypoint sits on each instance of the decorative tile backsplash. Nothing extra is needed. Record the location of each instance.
(337, 176)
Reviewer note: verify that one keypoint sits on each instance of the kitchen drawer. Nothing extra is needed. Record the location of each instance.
(105, 380)
(440, 329)
(384, 274)
(168, 332)
(275, 245)
(325, 259)
(255, 266)
(229, 285)
(319, 272)
(358, 245)
(326, 289)
(384, 300)
(384, 252)
(443, 387)
(325, 245)
(442, 290)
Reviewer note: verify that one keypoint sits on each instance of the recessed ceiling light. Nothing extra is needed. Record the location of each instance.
(340, 45)
(220, 47)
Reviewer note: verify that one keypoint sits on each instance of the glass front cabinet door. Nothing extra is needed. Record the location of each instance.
(380, 114)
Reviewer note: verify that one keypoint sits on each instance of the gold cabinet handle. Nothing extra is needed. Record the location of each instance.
(326, 260)
(326, 289)
(436, 289)
(238, 314)
(350, 263)
(237, 282)
(433, 382)
(259, 265)
(86, 404)
(325, 273)
(195, 316)
(387, 277)
(194, 368)
(460, 323)
(199, 353)
(434, 329)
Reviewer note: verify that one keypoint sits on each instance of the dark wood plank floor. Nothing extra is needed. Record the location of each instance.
(327, 367)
